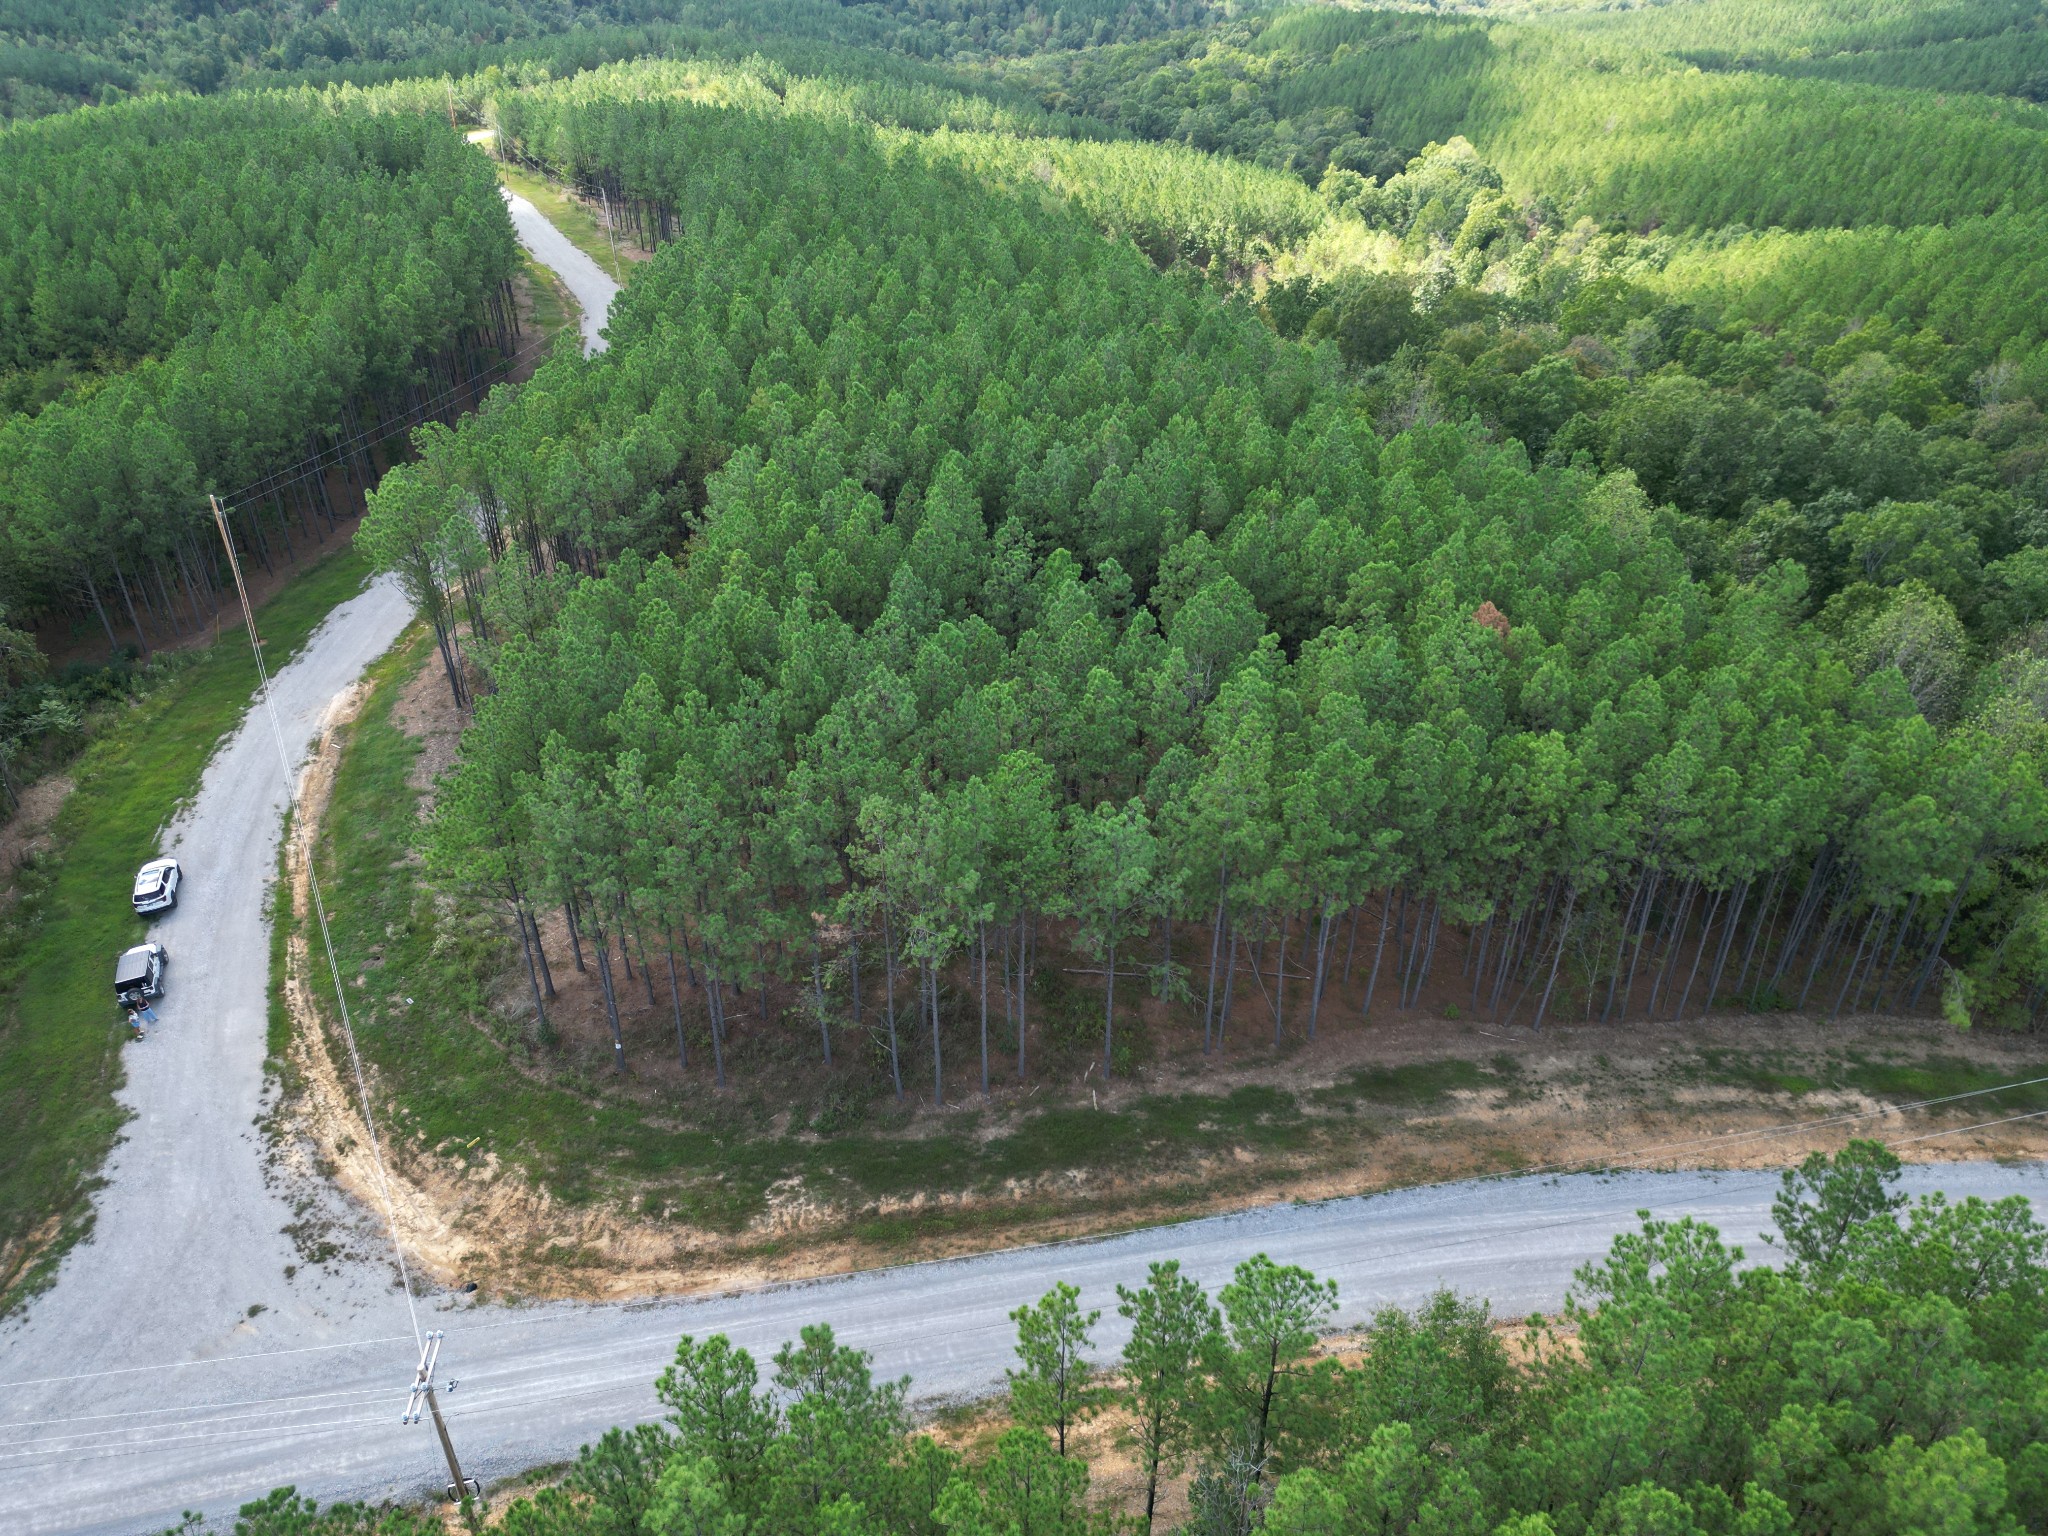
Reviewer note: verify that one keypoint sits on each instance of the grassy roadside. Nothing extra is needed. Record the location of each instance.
(442, 1012)
(570, 216)
(551, 307)
(59, 1032)
(466, 1081)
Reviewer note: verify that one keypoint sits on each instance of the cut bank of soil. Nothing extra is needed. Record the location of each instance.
(1403, 1098)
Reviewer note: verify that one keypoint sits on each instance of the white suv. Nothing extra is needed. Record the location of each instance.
(156, 885)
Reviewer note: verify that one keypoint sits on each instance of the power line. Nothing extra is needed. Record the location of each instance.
(1764, 1133)
(272, 1403)
(501, 1402)
(135, 1447)
(460, 1489)
(1963, 1130)
(180, 1365)
(1592, 1163)
(269, 485)
(291, 789)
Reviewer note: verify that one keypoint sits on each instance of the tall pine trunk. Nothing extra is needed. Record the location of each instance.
(675, 996)
(1280, 981)
(1109, 1017)
(889, 989)
(1378, 950)
(540, 1013)
(818, 999)
(611, 1002)
(931, 974)
(1315, 999)
(1215, 959)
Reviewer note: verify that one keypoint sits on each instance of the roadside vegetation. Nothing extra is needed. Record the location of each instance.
(792, 1157)
(1882, 1383)
(571, 215)
(60, 1033)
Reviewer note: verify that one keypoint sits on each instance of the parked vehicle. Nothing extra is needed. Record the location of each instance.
(139, 974)
(156, 885)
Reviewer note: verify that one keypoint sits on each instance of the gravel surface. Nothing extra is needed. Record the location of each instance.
(313, 1396)
(193, 1355)
(588, 283)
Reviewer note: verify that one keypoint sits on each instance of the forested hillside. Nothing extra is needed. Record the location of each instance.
(55, 54)
(1884, 1382)
(240, 296)
(920, 579)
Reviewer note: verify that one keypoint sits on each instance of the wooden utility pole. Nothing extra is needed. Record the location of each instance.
(220, 519)
(464, 1491)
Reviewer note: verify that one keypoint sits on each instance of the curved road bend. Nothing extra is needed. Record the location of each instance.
(189, 1357)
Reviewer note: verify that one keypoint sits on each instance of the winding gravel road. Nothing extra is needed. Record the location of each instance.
(588, 283)
(189, 1357)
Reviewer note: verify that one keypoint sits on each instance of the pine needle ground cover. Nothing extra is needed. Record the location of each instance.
(60, 1036)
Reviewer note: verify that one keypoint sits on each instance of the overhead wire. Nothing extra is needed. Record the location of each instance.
(1594, 1163)
(143, 1441)
(181, 1365)
(291, 789)
(318, 463)
(233, 1402)
(136, 1432)
(1765, 1133)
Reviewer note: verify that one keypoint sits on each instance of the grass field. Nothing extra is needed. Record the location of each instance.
(59, 1031)
(552, 306)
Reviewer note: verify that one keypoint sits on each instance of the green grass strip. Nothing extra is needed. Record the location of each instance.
(568, 214)
(60, 1060)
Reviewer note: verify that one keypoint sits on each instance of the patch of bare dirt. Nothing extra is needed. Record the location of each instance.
(426, 711)
(452, 1225)
(27, 832)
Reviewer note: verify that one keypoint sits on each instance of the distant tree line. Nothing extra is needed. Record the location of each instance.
(243, 295)
(57, 54)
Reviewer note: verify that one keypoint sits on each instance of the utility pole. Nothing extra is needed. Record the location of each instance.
(220, 520)
(464, 1491)
(610, 231)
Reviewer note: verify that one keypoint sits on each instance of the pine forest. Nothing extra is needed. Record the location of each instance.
(895, 629)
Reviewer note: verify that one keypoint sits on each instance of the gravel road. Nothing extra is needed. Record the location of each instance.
(312, 1393)
(189, 1357)
(590, 285)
